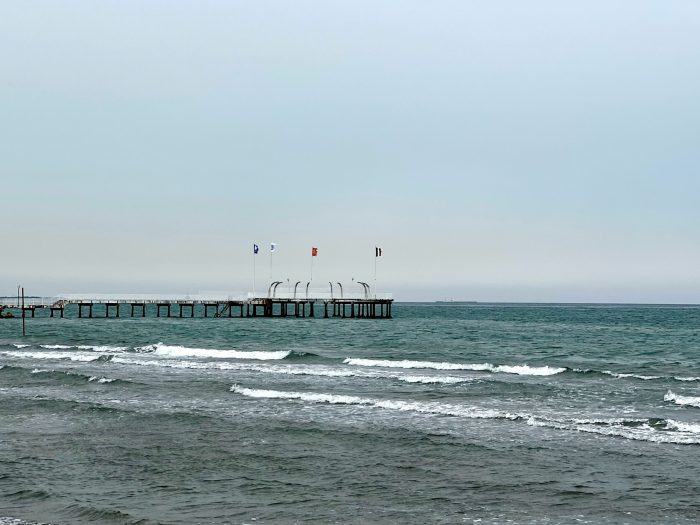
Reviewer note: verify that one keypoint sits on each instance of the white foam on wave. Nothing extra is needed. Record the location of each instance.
(100, 379)
(323, 371)
(525, 370)
(386, 363)
(478, 367)
(171, 363)
(147, 348)
(227, 365)
(103, 348)
(430, 380)
(182, 351)
(674, 432)
(682, 400)
(623, 375)
(292, 370)
(6, 520)
(672, 424)
(680, 434)
(404, 406)
(687, 378)
(305, 371)
(217, 365)
(93, 348)
(39, 371)
(73, 356)
(620, 375)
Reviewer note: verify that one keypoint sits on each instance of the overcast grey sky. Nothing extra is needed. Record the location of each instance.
(525, 151)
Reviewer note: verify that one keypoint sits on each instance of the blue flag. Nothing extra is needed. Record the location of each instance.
(256, 248)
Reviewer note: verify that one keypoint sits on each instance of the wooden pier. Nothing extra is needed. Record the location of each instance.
(311, 305)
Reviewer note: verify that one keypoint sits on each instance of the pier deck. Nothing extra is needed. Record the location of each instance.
(302, 305)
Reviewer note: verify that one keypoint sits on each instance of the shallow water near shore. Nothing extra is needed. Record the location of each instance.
(448, 413)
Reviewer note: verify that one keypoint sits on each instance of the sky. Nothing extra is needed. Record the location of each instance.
(540, 151)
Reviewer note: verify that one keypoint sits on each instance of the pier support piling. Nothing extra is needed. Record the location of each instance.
(80, 309)
(110, 305)
(58, 309)
(182, 306)
(138, 305)
(163, 305)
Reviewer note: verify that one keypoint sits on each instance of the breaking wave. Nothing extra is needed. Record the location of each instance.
(6, 520)
(292, 370)
(93, 348)
(633, 376)
(87, 352)
(412, 406)
(429, 380)
(643, 429)
(66, 375)
(641, 377)
(482, 367)
(183, 351)
(682, 426)
(72, 356)
(682, 400)
(649, 429)
(103, 348)
(524, 370)
(101, 379)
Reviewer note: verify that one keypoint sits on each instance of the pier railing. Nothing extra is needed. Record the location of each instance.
(37, 302)
(201, 298)
(153, 298)
(323, 295)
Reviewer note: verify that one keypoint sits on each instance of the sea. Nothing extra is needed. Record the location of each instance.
(447, 413)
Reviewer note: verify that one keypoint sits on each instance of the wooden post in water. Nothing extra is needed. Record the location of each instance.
(24, 316)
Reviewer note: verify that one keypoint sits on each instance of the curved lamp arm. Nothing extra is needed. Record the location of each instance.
(366, 287)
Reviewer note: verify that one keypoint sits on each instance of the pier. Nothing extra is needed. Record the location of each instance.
(310, 303)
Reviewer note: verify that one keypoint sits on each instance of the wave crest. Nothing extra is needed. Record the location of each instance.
(645, 429)
(682, 400)
(183, 351)
(411, 406)
(477, 367)
(72, 356)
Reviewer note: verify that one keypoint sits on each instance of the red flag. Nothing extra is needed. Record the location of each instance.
(314, 252)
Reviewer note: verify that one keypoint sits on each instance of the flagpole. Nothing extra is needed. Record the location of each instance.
(314, 253)
(375, 273)
(272, 250)
(254, 270)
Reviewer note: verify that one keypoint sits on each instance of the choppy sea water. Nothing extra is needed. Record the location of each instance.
(532, 414)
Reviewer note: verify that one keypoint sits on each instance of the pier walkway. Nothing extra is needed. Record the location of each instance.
(309, 303)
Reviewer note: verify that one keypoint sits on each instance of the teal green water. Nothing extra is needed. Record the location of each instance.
(445, 414)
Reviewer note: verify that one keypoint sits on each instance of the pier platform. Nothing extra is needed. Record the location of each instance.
(283, 305)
